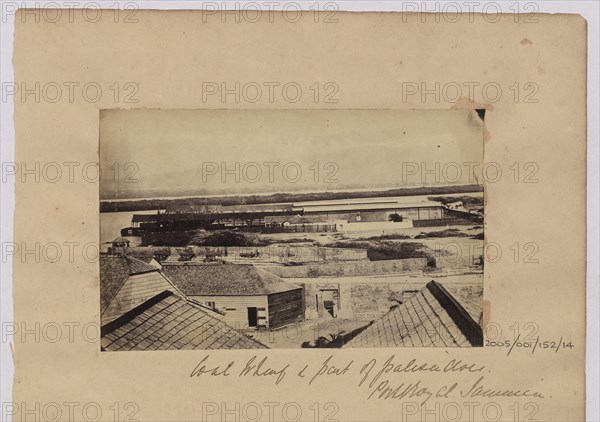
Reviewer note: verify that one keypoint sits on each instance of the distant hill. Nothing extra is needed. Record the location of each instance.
(287, 197)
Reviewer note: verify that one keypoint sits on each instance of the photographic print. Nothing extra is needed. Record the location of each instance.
(242, 229)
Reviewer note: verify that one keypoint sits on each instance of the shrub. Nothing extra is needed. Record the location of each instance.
(166, 238)
(394, 250)
(392, 236)
(468, 201)
(249, 254)
(442, 233)
(161, 256)
(232, 238)
(275, 241)
(396, 218)
(186, 254)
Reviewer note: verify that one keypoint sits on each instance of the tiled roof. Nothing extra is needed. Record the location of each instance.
(225, 280)
(168, 322)
(431, 318)
(114, 270)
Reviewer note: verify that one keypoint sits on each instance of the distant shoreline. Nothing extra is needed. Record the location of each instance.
(143, 204)
(348, 190)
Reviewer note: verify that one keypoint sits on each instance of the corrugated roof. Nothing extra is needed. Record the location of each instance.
(431, 318)
(142, 218)
(115, 269)
(368, 207)
(169, 322)
(258, 207)
(225, 280)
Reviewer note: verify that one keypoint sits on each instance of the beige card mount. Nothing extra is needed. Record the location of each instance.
(341, 216)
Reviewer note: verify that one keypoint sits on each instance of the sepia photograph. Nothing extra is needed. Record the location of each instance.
(244, 229)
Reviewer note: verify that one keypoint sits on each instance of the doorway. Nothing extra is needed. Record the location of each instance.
(252, 317)
(330, 302)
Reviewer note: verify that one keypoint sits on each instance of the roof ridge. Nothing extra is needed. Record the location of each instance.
(130, 315)
(135, 261)
(463, 320)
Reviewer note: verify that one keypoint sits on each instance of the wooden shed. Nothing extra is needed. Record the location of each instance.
(248, 297)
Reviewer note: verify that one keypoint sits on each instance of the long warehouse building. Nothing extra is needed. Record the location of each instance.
(423, 213)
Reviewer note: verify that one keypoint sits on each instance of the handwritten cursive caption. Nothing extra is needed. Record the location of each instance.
(392, 379)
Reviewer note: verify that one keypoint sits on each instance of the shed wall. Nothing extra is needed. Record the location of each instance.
(236, 308)
(286, 308)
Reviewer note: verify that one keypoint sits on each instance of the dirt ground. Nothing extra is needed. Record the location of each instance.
(324, 238)
(308, 334)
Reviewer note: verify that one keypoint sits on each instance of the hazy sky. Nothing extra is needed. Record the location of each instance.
(368, 147)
